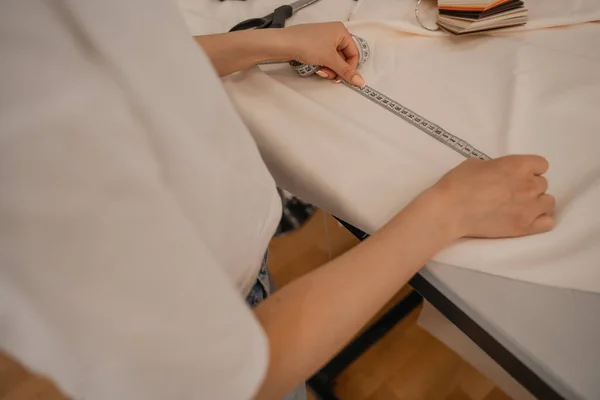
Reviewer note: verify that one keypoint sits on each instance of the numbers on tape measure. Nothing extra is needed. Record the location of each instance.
(433, 130)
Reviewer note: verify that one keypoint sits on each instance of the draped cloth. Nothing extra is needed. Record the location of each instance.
(532, 89)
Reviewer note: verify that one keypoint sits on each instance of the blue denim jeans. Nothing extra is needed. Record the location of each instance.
(262, 288)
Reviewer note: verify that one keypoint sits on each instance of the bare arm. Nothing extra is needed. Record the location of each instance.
(235, 51)
(328, 45)
(311, 319)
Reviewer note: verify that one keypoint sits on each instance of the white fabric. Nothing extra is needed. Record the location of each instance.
(214, 16)
(135, 209)
(520, 91)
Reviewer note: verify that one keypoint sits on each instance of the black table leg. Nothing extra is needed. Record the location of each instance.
(508, 361)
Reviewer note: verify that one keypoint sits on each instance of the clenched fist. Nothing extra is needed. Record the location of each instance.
(503, 197)
(328, 45)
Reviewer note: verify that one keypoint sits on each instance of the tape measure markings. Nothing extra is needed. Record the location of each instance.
(420, 122)
(435, 131)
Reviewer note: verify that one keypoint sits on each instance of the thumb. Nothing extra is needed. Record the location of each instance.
(345, 71)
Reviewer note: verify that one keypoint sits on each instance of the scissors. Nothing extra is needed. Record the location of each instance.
(274, 20)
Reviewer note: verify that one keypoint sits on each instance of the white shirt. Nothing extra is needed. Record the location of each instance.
(135, 208)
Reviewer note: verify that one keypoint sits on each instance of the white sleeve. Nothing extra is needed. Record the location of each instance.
(105, 286)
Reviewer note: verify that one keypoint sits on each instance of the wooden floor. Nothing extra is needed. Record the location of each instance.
(407, 364)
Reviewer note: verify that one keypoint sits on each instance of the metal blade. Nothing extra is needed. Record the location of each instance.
(300, 4)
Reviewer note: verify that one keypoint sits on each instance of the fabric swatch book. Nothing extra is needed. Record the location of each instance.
(467, 16)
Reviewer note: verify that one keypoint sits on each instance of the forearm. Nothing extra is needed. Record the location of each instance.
(311, 319)
(236, 51)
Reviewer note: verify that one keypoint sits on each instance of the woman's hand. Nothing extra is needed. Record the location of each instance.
(504, 197)
(328, 45)
(499, 198)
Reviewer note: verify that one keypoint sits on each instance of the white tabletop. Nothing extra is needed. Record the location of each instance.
(555, 332)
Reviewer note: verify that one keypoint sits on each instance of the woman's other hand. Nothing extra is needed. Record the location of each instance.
(503, 197)
(328, 45)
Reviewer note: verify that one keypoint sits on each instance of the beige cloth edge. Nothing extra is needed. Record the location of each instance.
(335, 191)
(277, 126)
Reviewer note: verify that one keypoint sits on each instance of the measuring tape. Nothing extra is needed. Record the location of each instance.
(435, 131)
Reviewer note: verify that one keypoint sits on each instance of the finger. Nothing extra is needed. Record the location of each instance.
(349, 50)
(326, 73)
(540, 184)
(543, 223)
(352, 62)
(538, 164)
(350, 57)
(345, 71)
(346, 63)
(546, 204)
